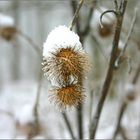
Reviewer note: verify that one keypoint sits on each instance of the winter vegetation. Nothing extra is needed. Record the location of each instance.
(70, 69)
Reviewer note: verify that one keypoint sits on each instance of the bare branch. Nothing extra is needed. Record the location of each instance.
(136, 76)
(38, 96)
(109, 75)
(87, 26)
(74, 7)
(120, 116)
(125, 105)
(68, 125)
(76, 14)
(127, 39)
(80, 121)
(107, 11)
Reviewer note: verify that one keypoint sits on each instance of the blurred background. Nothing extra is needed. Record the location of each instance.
(24, 26)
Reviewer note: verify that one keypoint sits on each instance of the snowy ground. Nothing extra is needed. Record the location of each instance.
(17, 101)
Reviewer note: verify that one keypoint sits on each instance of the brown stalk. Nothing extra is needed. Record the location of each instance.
(125, 105)
(109, 75)
(127, 38)
(68, 125)
(76, 13)
(82, 35)
(121, 113)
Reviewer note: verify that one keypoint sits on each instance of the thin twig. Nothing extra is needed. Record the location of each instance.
(123, 133)
(68, 125)
(30, 41)
(80, 121)
(125, 105)
(134, 40)
(120, 116)
(74, 7)
(36, 105)
(136, 76)
(91, 106)
(127, 39)
(87, 26)
(76, 14)
(109, 75)
(80, 108)
(116, 5)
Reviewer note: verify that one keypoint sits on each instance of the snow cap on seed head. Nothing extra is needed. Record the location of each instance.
(61, 37)
(6, 21)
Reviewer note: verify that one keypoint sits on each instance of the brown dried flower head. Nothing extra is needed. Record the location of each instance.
(106, 30)
(66, 65)
(8, 33)
(67, 97)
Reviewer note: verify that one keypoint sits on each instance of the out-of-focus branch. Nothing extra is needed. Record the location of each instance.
(123, 133)
(87, 26)
(31, 42)
(68, 125)
(76, 13)
(124, 30)
(36, 127)
(74, 7)
(136, 76)
(38, 97)
(121, 113)
(109, 75)
(125, 105)
(127, 39)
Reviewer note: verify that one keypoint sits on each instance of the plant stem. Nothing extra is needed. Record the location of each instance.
(125, 105)
(136, 76)
(76, 14)
(109, 75)
(121, 113)
(68, 125)
(127, 38)
(80, 121)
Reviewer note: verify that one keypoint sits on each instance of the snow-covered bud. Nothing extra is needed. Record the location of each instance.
(7, 28)
(65, 62)
(64, 58)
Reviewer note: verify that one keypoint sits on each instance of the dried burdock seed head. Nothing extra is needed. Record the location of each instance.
(106, 30)
(8, 33)
(64, 58)
(67, 97)
(7, 27)
(66, 65)
(108, 22)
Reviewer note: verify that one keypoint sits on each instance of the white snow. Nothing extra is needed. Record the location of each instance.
(6, 20)
(61, 37)
(25, 114)
(20, 103)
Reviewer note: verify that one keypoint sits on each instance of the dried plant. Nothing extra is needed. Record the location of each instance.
(69, 96)
(65, 64)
